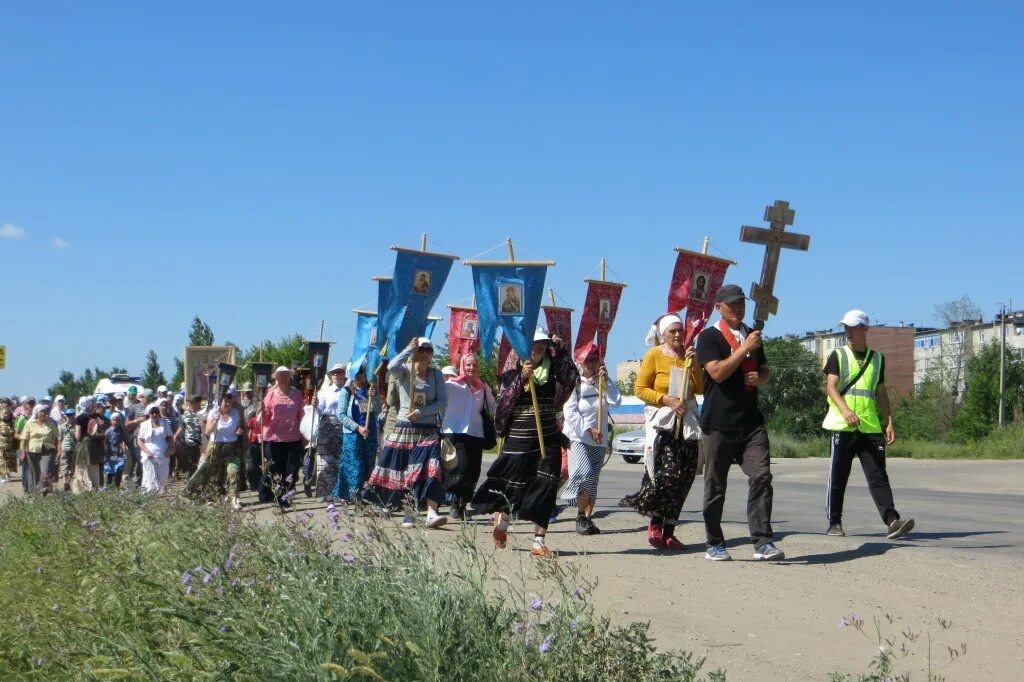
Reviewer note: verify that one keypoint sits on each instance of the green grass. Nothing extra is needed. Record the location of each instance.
(1007, 443)
(125, 586)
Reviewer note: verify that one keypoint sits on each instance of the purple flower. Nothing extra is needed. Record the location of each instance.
(90, 525)
(330, 507)
(843, 622)
(135, 558)
(186, 579)
(38, 661)
(336, 528)
(198, 569)
(517, 627)
(190, 591)
(349, 559)
(224, 628)
(546, 645)
(216, 571)
(574, 625)
(578, 593)
(536, 604)
(250, 582)
(207, 578)
(269, 577)
(55, 608)
(346, 537)
(289, 478)
(39, 570)
(236, 582)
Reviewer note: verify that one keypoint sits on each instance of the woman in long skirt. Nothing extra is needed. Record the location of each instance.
(588, 439)
(521, 482)
(329, 432)
(359, 443)
(409, 464)
(670, 444)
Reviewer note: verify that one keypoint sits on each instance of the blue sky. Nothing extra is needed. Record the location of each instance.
(253, 163)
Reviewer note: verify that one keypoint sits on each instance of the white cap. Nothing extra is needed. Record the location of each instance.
(282, 368)
(162, 401)
(23, 400)
(117, 396)
(855, 318)
(424, 341)
(161, 389)
(449, 371)
(337, 367)
(58, 398)
(541, 335)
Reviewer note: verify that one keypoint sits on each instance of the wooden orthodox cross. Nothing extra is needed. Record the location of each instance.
(775, 239)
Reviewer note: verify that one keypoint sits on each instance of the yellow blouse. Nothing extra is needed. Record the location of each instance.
(652, 380)
(36, 436)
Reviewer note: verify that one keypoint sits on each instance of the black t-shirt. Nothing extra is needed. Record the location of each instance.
(832, 364)
(85, 421)
(728, 406)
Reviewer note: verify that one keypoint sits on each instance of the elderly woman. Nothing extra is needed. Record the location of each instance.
(521, 481)
(329, 431)
(90, 452)
(282, 413)
(359, 443)
(117, 449)
(66, 430)
(410, 460)
(671, 429)
(39, 442)
(225, 429)
(156, 443)
(8, 460)
(588, 438)
(470, 402)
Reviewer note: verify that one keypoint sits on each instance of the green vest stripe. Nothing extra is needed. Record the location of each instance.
(861, 397)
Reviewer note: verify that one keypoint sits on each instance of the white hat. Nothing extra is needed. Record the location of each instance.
(337, 367)
(282, 368)
(161, 401)
(58, 399)
(23, 400)
(424, 341)
(117, 396)
(46, 399)
(540, 335)
(449, 371)
(855, 318)
(153, 406)
(161, 389)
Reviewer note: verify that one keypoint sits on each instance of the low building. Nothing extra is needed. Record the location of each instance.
(942, 353)
(624, 369)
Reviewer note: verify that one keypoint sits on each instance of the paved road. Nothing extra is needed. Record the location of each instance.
(947, 499)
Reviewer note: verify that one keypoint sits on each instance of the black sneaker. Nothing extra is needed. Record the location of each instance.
(899, 528)
(585, 526)
(458, 510)
(836, 529)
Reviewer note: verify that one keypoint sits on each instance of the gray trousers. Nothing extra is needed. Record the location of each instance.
(750, 451)
(37, 470)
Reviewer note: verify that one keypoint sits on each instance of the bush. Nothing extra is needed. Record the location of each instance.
(125, 586)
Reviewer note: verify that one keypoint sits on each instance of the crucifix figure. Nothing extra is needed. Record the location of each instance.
(775, 239)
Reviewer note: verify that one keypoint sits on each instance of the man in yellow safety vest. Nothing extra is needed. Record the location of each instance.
(860, 421)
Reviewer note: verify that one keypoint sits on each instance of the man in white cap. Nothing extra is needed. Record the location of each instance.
(859, 422)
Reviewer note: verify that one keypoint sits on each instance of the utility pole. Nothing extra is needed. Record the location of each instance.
(1002, 364)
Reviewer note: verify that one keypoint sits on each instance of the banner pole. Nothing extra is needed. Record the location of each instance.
(536, 416)
(263, 453)
(601, 387)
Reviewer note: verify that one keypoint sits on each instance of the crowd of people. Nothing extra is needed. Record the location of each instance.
(420, 446)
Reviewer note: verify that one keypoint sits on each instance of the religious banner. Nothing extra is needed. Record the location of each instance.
(507, 358)
(598, 316)
(383, 305)
(508, 296)
(201, 364)
(430, 326)
(463, 333)
(695, 281)
(364, 348)
(417, 283)
(559, 322)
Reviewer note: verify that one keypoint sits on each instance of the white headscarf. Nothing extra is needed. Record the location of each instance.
(657, 330)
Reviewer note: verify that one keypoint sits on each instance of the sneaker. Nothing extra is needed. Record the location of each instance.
(585, 526)
(541, 551)
(899, 528)
(672, 543)
(769, 552)
(237, 505)
(435, 520)
(458, 510)
(718, 553)
(408, 521)
(836, 529)
(500, 532)
(655, 535)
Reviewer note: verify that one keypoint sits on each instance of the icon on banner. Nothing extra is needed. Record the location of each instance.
(511, 299)
(605, 308)
(421, 282)
(469, 329)
(699, 290)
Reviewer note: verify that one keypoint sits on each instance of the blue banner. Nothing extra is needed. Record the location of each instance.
(428, 329)
(417, 283)
(383, 306)
(366, 337)
(508, 297)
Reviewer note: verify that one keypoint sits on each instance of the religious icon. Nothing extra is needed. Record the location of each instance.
(373, 337)
(510, 299)
(261, 381)
(604, 307)
(421, 282)
(469, 329)
(699, 290)
(419, 399)
(318, 360)
(225, 379)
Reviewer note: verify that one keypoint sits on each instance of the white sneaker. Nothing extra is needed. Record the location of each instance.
(435, 520)
(409, 521)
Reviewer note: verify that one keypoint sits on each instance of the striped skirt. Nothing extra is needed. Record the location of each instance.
(585, 463)
(409, 465)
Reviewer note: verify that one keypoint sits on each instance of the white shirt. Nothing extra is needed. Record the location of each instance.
(156, 438)
(225, 431)
(463, 412)
(327, 399)
(580, 411)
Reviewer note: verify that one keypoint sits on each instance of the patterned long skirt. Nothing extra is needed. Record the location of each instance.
(409, 465)
(356, 464)
(520, 481)
(329, 439)
(221, 459)
(675, 465)
(585, 464)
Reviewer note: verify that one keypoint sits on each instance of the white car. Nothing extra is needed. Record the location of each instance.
(118, 383)
(629, 446)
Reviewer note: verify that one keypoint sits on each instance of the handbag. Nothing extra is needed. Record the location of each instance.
(449, 455)
(490, 434)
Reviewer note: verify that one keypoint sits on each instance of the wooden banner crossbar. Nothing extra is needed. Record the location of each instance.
(423, 252)
(704, 255)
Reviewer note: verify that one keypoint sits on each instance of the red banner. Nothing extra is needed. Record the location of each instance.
(507, 358)
(695, 281)
(463, 333)
(559, 322)
(597, 317)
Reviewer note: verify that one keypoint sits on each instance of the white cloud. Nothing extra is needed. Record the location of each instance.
(12, 231)
(59, 243)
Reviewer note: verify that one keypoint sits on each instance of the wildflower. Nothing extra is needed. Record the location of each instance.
(207, 578)
(574, 625)
(330, 507)
(578, 593)
(349, 559)
(90, 525)
(38, 661)
(336, 528)
(135, 558)
(546, 645)
(843, 622)
(269, 577)
(55, 608)
(517, 627)
(186, 579)
(536, 604)
(346, 537)
(39, 570)
(190, 591)
(289, 478)
(236, 582)
(250, 582)
(216, 571)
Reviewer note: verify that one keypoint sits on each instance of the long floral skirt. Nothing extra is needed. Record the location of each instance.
(409, 465)
(675, 465)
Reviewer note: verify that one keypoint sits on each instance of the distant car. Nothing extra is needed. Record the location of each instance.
(629, 446)
(118, 383)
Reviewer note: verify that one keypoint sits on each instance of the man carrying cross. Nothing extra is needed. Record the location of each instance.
(734, 366)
